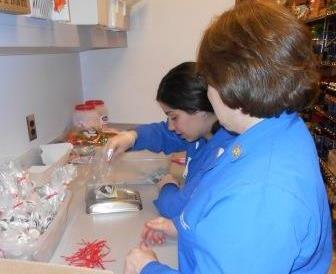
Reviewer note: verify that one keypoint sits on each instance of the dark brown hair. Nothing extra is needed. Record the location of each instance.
(182, 88)
(259, 57)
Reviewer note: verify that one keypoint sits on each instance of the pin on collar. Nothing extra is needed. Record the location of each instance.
(236, 151)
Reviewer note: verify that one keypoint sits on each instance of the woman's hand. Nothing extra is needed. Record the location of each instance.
(156, 230)
(118, 144)
(137, 258)
(166, 180)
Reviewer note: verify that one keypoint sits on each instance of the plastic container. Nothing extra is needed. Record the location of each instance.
(101, 110)
(53, 156)
(113, 14)
(42, 249)
(140, 167)
(85, 116)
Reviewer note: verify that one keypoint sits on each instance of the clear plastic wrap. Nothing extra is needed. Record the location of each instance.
(31, 217)
(43, 247)
(141, 167)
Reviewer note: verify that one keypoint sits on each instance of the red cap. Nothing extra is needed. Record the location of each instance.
(84, 107)
(94, 102)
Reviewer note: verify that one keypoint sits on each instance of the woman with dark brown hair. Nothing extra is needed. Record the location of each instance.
(263, 207)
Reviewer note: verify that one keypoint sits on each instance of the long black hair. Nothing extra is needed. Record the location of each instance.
(182, 88)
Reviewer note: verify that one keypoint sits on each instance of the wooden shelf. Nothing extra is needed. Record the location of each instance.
(329, 13)
(333, 90)
(328, 64)
(329, 180)
(324, 114)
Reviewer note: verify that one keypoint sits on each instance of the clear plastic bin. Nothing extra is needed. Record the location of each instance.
(42, 249)
(139, 167)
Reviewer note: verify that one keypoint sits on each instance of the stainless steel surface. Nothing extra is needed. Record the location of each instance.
(103, 199)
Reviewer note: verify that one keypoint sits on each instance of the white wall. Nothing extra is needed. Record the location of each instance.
(47, 85)
(163, 34)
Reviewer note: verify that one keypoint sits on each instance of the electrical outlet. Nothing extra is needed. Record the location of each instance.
(31, 126)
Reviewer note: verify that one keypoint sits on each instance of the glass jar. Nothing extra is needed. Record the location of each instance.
(85, 116)
(101, 110)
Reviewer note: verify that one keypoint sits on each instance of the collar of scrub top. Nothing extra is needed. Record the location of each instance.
(216, 148)
(247, 141)
(222, 138)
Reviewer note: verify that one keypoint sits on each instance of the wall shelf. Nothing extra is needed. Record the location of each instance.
(328, 13)
(25, 35)
(324, 114)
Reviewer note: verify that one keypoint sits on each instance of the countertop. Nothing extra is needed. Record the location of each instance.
(120, 230)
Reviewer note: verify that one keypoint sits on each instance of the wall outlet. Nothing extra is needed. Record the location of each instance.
(31, 126)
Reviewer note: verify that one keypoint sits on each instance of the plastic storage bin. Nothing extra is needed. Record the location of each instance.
(53, 156)
(42, 249)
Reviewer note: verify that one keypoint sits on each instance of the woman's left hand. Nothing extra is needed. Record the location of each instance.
(156, 230)
(137, 258)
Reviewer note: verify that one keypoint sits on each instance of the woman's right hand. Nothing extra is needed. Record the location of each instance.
(156, 230)
(167, 179)
(118, 144)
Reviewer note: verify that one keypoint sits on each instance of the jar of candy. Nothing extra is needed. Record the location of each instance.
(85, 116)
(101, 110)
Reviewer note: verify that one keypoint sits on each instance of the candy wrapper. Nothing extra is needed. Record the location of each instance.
(88, 137)
(82, 155)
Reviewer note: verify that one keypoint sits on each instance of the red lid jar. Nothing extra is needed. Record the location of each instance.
(101, 110)
(85, 116)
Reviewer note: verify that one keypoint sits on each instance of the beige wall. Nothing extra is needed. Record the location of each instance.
(163, 34)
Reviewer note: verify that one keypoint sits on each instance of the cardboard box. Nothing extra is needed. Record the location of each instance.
(19, 267)
(43, 248)
(15, 6)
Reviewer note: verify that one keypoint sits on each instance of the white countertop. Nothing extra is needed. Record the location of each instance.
(120, 230)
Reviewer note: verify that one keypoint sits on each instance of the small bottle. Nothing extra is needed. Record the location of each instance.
(85, 116)
(101, 110)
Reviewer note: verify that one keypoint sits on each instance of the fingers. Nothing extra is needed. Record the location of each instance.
(143, 246)
(169, 177)
(156, 238)
(166, 179)
(120, 143)
(155, 230)
(114, 148)
(153, 235)
(159, 224)
(137, 258)
(164, 225)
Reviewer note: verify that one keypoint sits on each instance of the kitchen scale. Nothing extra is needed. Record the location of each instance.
(111, 198)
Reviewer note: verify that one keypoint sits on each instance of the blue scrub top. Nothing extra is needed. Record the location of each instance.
(157, 137)
(261, 208)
